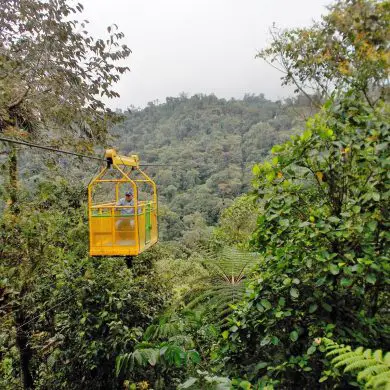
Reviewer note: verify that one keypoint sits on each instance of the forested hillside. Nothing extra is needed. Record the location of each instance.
(273, 268)
(207, 147)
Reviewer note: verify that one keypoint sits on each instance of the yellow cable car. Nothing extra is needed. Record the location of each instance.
(122, 208)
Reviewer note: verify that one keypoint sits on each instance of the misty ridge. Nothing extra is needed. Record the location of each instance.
(209, 146)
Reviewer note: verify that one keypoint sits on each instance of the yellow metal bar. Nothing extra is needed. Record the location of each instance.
(135, 197)
(113, 206)
(153, 184)
(90, 215)
(111, 155)
(103, 205)
(111, 181)
(100, 174)
(90, 188)
(113, 227)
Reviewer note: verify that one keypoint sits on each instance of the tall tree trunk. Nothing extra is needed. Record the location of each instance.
(22, 342)
(13, 180)
(22, 329)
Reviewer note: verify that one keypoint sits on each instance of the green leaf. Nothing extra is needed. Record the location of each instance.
(326, 306)
(320, 281)
(138, 357)
(245, 385)
(311, 350)
(329, 132)
(372, 225)
(177, 357)
(194, 356)
(265, 341)
(256, 170)
(371, 278)
(153, 358)
(270, 176)
(313, 307)
(345, 282)
(356, 209)
(225, 334)
(323, 379)
(375, 196)
(294, 292)
(188, 383)
(334, 269)
(277, 148)
(267, 305)
(306, 135)
(260, 365)
(294, 335)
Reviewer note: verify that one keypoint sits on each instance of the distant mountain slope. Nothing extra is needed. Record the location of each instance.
(212, 143)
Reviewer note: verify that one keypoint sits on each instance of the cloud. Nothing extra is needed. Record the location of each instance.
(198, 46)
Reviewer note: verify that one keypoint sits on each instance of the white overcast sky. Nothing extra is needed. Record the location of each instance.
(197, 46)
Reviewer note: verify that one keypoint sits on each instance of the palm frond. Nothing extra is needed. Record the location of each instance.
(225, 284)
(166, 354)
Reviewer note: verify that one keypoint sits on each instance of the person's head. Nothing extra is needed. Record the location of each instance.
(129, 195)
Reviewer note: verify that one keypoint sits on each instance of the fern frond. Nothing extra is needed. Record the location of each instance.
(378, 355)
(367, 373)
(367, 353)
(338, 351)
(359, 364)
(347, 359)
(225, 284)
(167, 326)
(380, 380)
(371, 367)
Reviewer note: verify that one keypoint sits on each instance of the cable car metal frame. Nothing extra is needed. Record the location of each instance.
(111, 232)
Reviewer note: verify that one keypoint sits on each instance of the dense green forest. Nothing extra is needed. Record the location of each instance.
(272, 270)
(207, 147)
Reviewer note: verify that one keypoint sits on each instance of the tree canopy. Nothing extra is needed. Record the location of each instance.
(52, 71)
(347, 49)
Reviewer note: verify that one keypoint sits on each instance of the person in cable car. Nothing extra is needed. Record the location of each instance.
(127, 201)
(126, 212)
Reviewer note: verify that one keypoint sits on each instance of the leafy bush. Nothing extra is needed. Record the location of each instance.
(324, 237)
(75, 313)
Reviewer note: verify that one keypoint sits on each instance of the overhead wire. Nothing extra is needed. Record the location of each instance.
(61, 151)
(55, 150)
(45, 311)
(17, 298)
(8, 313)
(31, 145)
(40, 314)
